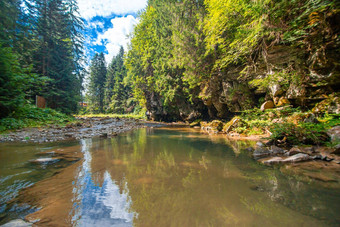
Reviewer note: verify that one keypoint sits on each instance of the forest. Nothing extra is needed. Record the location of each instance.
(188, 60)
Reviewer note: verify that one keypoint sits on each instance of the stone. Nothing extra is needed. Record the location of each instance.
(17, 223)
(276, 100)
(334, 133)
(234, 123)
(330, 105)
(283, 102)
(249, 149)
(261, 152)
(275, 90)
(216, 125)
(308, 150)
(195, 123)
(267, 105)
(298, 158)
(260, 144)
(276, 150)
(273, 160)
(336, 149)
(294, 151)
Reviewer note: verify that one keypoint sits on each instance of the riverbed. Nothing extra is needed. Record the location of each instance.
(157, 177)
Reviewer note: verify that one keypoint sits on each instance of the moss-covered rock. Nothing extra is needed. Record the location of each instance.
(195, 123)
(214, 126)
(236, 122)
(330, 105)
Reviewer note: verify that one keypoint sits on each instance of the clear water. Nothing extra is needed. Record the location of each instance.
(157, 177)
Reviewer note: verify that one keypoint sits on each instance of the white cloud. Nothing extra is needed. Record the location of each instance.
(96, 24)
(91, 8)
(116, 36)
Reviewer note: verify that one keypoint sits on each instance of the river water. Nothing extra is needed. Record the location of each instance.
(157, 177)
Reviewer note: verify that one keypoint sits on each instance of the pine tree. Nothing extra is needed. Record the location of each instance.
(118, 96)
(58, 51)
(97, 78)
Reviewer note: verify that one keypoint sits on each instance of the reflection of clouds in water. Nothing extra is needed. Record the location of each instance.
(99, 206)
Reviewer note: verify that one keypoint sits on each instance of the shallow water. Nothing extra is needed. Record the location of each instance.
(157, 177)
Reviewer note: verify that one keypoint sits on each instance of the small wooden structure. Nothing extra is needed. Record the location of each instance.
(40, 102)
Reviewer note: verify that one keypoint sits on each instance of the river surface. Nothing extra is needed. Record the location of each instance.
(157, 177)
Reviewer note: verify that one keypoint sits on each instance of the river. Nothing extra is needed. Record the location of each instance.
(157, 177)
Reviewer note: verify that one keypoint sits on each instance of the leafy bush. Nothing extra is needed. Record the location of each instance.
(307, 133)
(30, 116)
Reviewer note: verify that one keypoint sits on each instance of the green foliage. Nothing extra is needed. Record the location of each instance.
(308, 133)
(30, 116)
(282, 78)
(117, 94)
(16, 82)
(41, 54)
(95, 95)
(233, 29)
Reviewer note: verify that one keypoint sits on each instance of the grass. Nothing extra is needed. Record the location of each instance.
(31, 116)
(132, 116)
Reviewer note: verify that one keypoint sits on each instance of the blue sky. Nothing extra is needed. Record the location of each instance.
(108, 22)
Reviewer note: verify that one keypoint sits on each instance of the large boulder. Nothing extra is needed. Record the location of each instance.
(267, 105)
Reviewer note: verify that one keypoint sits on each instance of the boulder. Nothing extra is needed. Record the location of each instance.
(261, 152)
(298, 158)
(293, 151)
(330, 105)
(267, 105)
(216, 125)
(334, 133)
(283, 102)
(275, 90)
(276, 150)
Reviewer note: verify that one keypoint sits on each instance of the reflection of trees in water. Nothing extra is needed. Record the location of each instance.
(173, 181)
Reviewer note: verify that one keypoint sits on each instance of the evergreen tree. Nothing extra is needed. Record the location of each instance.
(58, 52)
(97, 83)
(118, 96)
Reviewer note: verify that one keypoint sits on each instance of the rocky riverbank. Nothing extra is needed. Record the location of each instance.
(83, 128)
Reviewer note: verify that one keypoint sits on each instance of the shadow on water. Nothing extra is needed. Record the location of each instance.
(159, 177)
